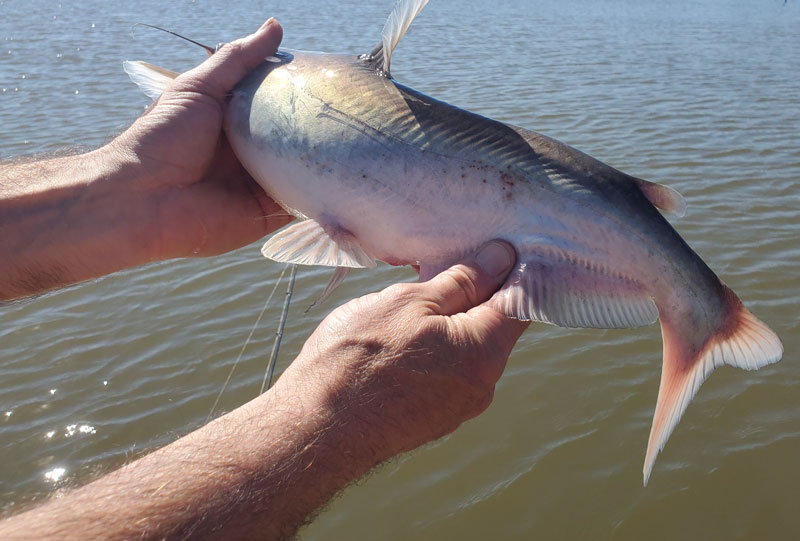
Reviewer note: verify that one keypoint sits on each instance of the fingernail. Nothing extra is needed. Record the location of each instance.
(269, 22)
(495, 258)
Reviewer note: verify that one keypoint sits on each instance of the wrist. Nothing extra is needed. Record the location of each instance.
(69, 219)
(119, 213)
(338, 403)
(324, 435)
(145, 207)
(282, 456)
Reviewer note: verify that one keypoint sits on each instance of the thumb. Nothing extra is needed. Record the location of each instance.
(472, 281)
(226, 67)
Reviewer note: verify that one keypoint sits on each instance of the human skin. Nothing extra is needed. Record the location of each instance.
(169, 186)
(381, 375)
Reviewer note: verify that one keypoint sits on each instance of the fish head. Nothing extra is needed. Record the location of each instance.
(282, 110)
(278, 120)
(286, 90)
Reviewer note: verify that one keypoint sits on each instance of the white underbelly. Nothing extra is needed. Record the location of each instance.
(401, 210)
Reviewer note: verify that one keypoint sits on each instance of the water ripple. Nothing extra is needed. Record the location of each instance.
(700, 96)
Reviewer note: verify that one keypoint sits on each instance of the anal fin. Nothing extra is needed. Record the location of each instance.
(308, 243)
(569, 292)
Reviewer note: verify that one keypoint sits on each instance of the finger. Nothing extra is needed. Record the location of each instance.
(226, 67)
(496, 333)
(472, 281)
(498, 327)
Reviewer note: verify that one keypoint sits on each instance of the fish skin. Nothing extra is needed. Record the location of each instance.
(376, 170)
(419, 181)
(415, 180)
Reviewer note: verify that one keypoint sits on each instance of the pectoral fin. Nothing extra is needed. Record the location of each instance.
(308, 243)
(152, 80)
(573, 293)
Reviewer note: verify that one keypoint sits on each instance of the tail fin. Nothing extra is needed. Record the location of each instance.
(151, 79)
(742, 341)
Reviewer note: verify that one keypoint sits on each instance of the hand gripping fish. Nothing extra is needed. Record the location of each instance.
(375, 170)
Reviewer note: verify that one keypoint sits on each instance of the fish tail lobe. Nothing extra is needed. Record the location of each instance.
(738, 339)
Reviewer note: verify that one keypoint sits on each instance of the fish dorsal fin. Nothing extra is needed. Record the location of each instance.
(308, 243)
(663, 197)
(399, 20)
(151, 79)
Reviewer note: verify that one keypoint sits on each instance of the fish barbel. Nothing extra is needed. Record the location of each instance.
(375, 170)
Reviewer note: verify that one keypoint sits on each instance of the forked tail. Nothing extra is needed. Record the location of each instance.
(741, 340)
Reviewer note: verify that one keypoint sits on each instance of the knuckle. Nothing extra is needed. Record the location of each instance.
(464, 282)
(183, 83)
(482, 402)
(397, 290)
(231, 48)
(400, 293)
(475, 396)
(232, 54)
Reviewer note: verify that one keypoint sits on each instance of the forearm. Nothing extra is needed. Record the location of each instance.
(259, 471)
(69, 219)
(382, 375)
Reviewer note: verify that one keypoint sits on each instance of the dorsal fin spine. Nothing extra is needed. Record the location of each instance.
(397, 23)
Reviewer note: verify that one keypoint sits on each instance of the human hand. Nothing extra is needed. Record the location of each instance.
(409, 364)
(381, 375)
(204, 202)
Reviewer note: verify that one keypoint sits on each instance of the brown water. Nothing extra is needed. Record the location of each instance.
(702, 96)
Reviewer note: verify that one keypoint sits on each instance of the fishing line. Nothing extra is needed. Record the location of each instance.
(276, 346)
(208, 49)
(246, 342)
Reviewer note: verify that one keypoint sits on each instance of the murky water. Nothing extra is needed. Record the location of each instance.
(702, 96)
